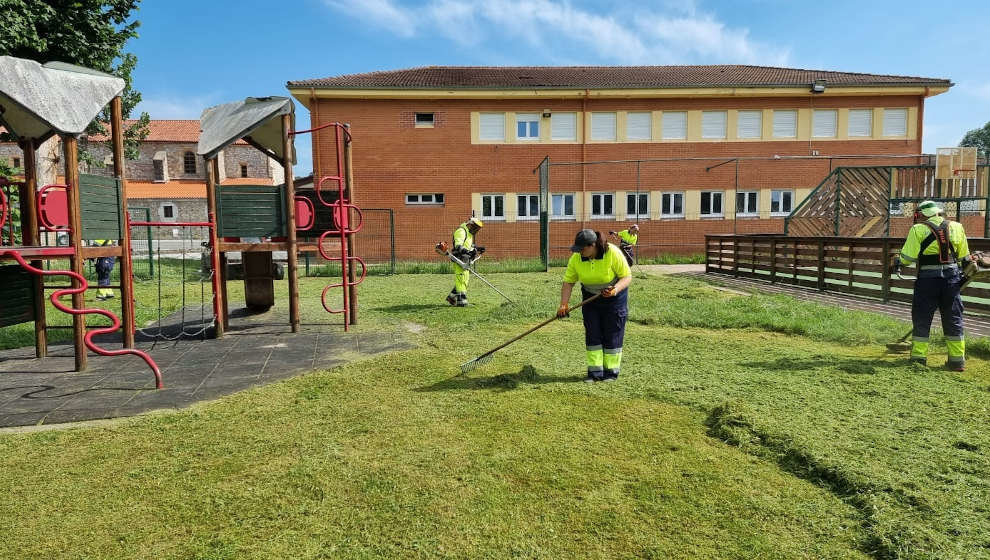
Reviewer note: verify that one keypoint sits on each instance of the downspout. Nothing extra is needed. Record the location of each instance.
(584, 153)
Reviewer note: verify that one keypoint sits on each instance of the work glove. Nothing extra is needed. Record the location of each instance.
(563, 311)
(608, 292)
(896, 267)
(480, 250)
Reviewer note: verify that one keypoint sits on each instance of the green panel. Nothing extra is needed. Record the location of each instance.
(251, 211)
(18, 296)
(100, 204)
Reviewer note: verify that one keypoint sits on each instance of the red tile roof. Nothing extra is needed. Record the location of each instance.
(184, 189)
(615, 77)
(167, 130)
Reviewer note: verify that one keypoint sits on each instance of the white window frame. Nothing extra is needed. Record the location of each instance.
(780, 193)
(631, 126)
(529, 119)
(710, 120)
(709, 213)
(751, 198)
(671, 197)
(493, 118)
(641, 213)
(420, 199)
(744, 118)
(601, 196)
(675, 118)
(822, 118)
(492, 217)
(778, 125)
(424, 123)
(525, 216)
(175, 211)
(563, 206)
(601, 118)
(869, 123)
(558, 124)
(887, 123)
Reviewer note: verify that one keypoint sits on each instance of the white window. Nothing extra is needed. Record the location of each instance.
(785, 124)
(492, 126)
(781, 202)
(527, 126)
(749, 124)
(639, 126)
(825, 123)
(674, 125)
(603, 126)
(601, 205)
(493, 206)
(638, 206)
(528, 206)
(713, 124)
(672, 205)
(563, 126)
(895, 122)
(746, 203)
(428, 198)
(861, 122)
(711, 203)
(424, 120)
(168, 212)
(562, 206)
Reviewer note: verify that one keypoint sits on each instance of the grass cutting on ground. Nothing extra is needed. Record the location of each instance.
(742, 426)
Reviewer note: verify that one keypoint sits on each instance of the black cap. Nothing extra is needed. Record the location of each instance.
(583, 238)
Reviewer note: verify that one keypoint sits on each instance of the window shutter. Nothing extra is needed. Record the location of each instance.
(674, 125)
(713, 124)
(825, 123)
(603, 126)
(895, 122)
(785, 124)
(750, 124)
(861, 122)
(639, 126)
(492, 126)
(563, 126)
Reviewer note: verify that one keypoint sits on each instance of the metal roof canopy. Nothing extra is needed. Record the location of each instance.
(256, 120)
(37, 101)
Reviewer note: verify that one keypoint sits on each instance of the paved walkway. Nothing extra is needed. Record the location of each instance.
(978, 325)
(256, 351)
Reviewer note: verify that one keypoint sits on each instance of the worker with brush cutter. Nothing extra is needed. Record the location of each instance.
(601, 268)
(940, 249)
(465, 251)
(627, 241)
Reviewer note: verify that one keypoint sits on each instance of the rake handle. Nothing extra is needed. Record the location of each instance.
(541, 325)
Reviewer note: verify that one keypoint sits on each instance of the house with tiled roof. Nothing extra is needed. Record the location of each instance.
(168, 178)
(681, 150)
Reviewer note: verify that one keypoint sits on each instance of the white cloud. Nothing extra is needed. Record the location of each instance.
(676, 33)
(174, 106)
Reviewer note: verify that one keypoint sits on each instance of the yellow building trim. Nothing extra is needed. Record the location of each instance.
(306, 95)
(763, 202)
(476, 204)
(767, 124)
(728, 204)
(619, 206)
(912, 123)
(692, 204)
(510, 128)
(657, 126)
(694, 127)
(732, 125)
(842, 125)
(475, 127)
(511, 207)
(877, 122)
(578, 206)
(656, 204)
(804, 117)
(799, 196)
(545, 129)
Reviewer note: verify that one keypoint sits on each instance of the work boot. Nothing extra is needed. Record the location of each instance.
(919, 361)
(955, 367)
(451, 299)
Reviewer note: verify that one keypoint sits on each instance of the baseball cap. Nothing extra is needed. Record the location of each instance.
(583, 238)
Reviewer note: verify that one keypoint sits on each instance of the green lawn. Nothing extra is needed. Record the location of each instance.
(741, 427)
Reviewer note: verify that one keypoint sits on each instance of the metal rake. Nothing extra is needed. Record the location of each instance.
(489, 355)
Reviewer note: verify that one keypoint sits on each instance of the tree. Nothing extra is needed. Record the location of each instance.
(978, 138)
(89, 33)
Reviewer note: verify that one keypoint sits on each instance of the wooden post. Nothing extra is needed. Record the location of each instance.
(30, 236)
(349, 194)
(885, 273)
(735, 256)
(126, 262)
(70, 146)
(773, 260)
(821, 264)
(218, 261)
(290, 212)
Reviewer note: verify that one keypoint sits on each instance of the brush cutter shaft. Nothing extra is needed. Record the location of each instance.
(469, 266)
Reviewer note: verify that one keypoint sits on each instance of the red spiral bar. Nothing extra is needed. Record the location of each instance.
(323, 296)
(88, 339)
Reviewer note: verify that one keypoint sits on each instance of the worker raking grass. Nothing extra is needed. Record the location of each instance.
(601, 268)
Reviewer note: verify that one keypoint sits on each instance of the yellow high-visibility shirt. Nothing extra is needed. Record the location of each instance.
(597, 274)
(630, 238)
(463, 237)
(920, 232)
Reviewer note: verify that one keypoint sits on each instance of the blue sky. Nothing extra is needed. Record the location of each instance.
(192, 55)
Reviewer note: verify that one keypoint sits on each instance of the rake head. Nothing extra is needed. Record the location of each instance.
(479, 361)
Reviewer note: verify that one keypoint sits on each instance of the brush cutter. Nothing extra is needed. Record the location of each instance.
(979, 265)
(487, 356)
(443, 249)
